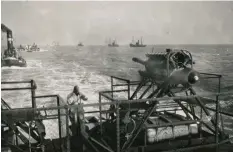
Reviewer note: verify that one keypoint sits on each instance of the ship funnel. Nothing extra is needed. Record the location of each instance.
(184, 76)
(139, 61)
(8, 31)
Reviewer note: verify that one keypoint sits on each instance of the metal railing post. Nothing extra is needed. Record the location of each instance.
(112, 86)
(128, 83)
(100, 109)
(33, 93)
(67, 129)
(118, 128)
(217, 123)
(59, 121)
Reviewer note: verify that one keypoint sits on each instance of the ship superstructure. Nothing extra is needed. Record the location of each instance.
(137, 44)
(113, 43)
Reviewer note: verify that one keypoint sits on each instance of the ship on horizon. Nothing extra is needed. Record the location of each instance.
(55, 43)
(80, 44)
(21, 48)
(137, 44)
(113, 43)
(29, 48)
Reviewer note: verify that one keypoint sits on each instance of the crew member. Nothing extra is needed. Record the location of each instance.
(73, 98)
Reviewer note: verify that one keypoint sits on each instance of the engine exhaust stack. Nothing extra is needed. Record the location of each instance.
(8, 31)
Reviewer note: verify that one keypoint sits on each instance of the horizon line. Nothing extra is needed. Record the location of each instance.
(144, 44)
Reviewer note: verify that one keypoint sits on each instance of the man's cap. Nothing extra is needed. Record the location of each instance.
(76, 88)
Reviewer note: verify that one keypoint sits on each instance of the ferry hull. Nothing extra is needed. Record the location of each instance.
(9, 63)
(113, 45)
(132, 45)
(33, 50)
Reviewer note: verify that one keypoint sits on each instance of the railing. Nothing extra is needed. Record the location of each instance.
(32, 88)
(204, 75)
(35, 102)
(54, 116)
(216, 76)
(116, 102)
(124, 80)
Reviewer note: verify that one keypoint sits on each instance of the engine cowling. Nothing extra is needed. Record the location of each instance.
(183, 76)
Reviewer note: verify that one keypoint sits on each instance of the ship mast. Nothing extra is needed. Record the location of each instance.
(133, 39)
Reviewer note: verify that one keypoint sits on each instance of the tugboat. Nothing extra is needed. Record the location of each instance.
(137, 44)
(10, 56)
(113, 43)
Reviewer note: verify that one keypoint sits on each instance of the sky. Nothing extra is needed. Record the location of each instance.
(94, 22)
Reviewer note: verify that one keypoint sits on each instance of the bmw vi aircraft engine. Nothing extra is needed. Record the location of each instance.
(172, 68)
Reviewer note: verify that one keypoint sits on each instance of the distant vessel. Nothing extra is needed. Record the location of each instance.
(80, 44)
(113, 43)
(137, 44)
(21, 48)
(32, 48)
(11, 56)
(55, 44)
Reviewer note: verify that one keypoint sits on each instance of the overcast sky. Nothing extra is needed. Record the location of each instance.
(93, 22)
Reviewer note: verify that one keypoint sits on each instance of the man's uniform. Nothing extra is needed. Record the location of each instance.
(73, 99)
